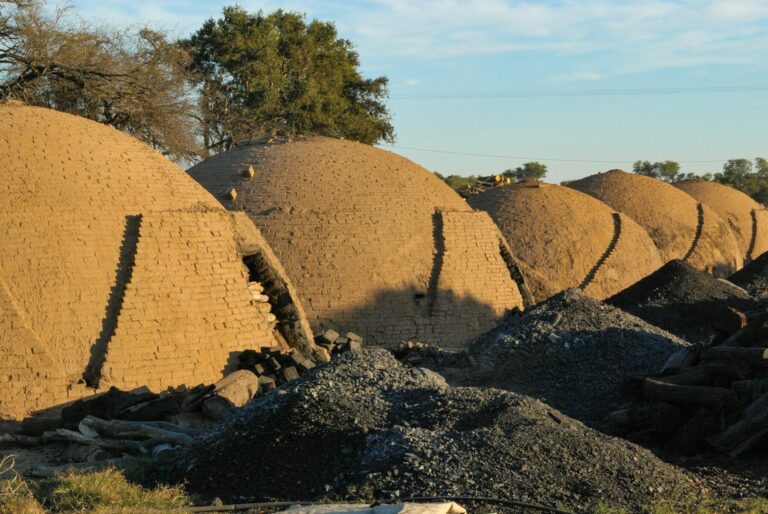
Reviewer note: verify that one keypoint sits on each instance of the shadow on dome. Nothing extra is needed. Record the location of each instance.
(392, 316)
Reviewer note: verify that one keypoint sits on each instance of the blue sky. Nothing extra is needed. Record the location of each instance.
(430, 49)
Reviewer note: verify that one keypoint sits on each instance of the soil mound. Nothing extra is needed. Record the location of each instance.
(115, 267)
(747, 219)
(373, 242)
(572, 352)
(753, 277)
(680, 227)
(368, 424)
(683, 300)
(569, 239)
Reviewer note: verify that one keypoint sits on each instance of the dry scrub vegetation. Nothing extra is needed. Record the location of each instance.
(110, 492)
(105, 492)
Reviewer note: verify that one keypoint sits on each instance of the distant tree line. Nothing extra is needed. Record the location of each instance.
(746, 175)
(243, 76)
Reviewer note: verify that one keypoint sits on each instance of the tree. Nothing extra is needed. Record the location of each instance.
(668, 171)
(529, 170)
(739, 174)
(277, 74)
(134, 81)
(458, 181)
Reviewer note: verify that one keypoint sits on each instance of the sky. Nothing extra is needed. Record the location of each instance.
(481, 86)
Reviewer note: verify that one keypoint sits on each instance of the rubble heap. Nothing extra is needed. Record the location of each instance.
(366, 424)
(689, 303)
(712, 396)
(753, 277)
(572, 352)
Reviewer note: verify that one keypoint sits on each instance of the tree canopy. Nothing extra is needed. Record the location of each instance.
(742, 175)
(747, 176)
(529, 170)
(667, 171)
(132, 80)
(277, 74)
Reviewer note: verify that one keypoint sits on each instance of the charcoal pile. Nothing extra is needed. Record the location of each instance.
(432, 356)
(366, 424)
(753, 277)
(687, 302)
(572, 352)
(713, 396)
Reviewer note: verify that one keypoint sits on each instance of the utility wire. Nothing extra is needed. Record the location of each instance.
(471, 154)
(585, 92)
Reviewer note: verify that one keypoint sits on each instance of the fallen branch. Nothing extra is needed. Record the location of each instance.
(717, 397)
(117, 428)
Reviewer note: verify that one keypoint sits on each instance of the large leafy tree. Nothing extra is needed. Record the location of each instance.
(740, 174)
(668, 171)
(530, 170)
(132, 80)
(277, 74)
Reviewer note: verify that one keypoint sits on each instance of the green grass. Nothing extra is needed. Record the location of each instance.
(103, 492)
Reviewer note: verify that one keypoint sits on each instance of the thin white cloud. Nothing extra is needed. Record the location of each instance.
(613, 36)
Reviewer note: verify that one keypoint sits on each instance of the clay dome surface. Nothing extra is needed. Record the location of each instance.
(747, 218)
(681, 227)
(373, 242)
(116, 268)
(564, 238)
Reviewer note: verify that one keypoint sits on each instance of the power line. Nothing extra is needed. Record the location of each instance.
(585, 92)
(471, 154)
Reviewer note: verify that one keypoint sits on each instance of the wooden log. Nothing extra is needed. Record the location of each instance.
(232, 392)
(747, 356)
(194, 402)
(723, 399)
(744, 434)
(751, 389)
(36, 425)
(706, 374)
(84, 467)
(680, 359)
(756, 331)
(165, 425)
(119, 428)
(731, 322)
(70, 436)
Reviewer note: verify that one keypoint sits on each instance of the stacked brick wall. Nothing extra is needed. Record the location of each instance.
(68, 191)
(474, 288)
(354, 228)
(187, 306)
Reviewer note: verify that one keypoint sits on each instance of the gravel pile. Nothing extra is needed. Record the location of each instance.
(679, 298)
(571, 352)
(753, 277)
(368, 425)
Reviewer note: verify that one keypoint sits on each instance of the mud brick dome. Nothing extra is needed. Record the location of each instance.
(681, 227)
(564, 238)
(747, 219)
(116, 268)
(373, 243)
